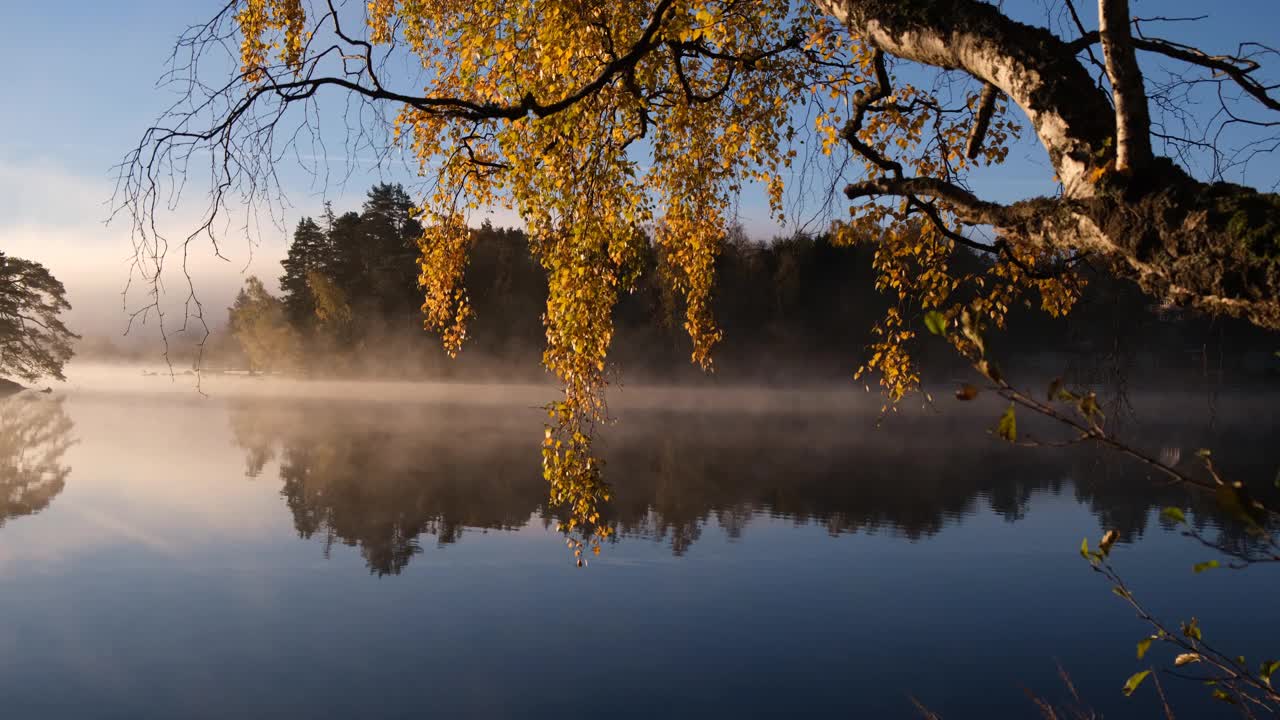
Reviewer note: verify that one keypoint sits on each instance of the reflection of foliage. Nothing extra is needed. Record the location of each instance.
(371, 482)
(255, 434)
(378, 477)
(34, 435)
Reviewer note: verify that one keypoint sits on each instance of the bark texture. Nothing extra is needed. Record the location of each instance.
(1212, 246)
(1133, 124)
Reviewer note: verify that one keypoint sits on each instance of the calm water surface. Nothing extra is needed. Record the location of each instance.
(280, 551)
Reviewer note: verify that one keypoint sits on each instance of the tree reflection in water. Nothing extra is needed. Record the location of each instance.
(35, 433)
(378, 477)
(378, 483)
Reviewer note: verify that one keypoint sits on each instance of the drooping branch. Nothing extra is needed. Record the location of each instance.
(1133, 124)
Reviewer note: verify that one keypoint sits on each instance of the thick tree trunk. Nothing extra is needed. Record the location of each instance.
(1213, 246)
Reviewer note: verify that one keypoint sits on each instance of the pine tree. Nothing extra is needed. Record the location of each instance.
(390, 234)
(346, 263)
(308, 253)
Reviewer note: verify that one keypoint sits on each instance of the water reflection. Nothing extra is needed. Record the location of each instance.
(380, 485)
(380, 478)
(35, 433)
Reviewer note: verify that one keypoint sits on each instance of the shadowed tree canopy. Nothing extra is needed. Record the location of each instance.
(34, 342)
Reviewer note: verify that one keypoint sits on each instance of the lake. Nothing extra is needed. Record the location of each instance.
(305, 549)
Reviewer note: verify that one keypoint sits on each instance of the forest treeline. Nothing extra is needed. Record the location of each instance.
(794, 310)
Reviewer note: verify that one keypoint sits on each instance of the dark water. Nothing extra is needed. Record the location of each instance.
(166, 555)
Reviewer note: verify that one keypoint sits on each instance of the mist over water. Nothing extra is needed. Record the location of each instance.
(338, 549)
(277, 483)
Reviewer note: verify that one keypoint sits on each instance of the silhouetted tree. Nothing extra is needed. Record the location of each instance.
(33, 340)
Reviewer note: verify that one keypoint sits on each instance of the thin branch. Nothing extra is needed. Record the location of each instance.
(986, 108)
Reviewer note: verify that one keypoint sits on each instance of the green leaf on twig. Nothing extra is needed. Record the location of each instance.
(936, 322)
(1269, 668)
(1144, 645)
(1134, 681)
(1089, 407)
(1008, 427)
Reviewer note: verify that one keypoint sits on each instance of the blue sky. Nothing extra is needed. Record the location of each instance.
(82, 89)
